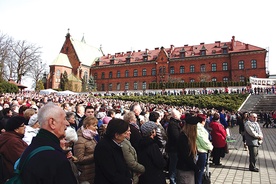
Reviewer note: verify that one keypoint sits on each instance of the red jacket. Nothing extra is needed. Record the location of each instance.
(218, 134)
(11, 147)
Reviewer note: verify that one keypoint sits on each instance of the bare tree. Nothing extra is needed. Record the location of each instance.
(37, 72)
(5, 56)
(24, 57)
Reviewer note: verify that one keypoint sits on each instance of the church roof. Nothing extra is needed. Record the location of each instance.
(87, 54)
(62, 60)
(72, 77)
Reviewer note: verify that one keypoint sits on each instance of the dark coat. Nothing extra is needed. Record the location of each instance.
(150, 156)
(173, 132)
(135, 136)
(186, 160)
(47, 167)
(110, 165)
(11, 148)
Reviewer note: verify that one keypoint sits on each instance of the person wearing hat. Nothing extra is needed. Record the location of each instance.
(187, 151)
(11, 144)
(150, 156)
(31, 129)
(203, 146)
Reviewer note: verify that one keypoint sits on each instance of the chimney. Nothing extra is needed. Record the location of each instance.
(233, 42)
(139, 50)
(218, 43)
(108, 56)
(156, 48)
(246, 46)
(172, 47)
(202, 43)
(186, 45)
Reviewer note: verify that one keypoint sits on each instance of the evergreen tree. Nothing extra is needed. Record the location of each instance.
(92, 84)
(64, 82)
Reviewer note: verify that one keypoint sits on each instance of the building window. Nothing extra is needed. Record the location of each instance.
(144, 72)
(225, 79)
(242, 78)
(126, 86)
(253, 63)
(135, 73)
(214, 79)
(110, 87)
(192, 80)
(241, 65)
(85, 76)
(103, 87)
(224, 66)
(214, 67)
(153, 72)
(128, 60)
(145, 58)
(95, 76)
(182, 55)
(110, 75)
(58, 73)
(127, 73)
(192, 68)
(144, 85)
(118, 74)
(162, 70)
(171, 70)
(118, 87)
(202, 68)
(135, 85)
(102, 75)
(182, 69)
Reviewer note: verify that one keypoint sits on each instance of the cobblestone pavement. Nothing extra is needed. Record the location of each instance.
(235, 165)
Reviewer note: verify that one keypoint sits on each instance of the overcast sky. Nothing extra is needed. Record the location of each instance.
(125, 25)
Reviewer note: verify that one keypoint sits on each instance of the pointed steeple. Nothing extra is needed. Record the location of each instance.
(83, 40)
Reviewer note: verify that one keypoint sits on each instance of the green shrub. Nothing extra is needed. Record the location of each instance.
(6, 87)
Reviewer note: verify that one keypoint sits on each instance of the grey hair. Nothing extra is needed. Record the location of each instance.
(128, 117)
(50, 110)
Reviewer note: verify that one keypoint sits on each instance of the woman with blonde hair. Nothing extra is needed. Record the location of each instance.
(187, 152)
(84, 149)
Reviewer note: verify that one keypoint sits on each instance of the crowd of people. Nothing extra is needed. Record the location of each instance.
(107, 141)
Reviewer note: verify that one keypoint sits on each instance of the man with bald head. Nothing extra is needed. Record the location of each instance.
(50, 166)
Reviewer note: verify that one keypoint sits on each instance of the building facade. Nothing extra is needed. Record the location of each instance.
(135, 70)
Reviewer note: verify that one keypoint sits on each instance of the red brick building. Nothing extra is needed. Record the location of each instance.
(135, 70)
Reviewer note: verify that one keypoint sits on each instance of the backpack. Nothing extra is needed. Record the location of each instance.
(16, 179)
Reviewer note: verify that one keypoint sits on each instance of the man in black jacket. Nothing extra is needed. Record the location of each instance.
(173, 132)
(49, 166)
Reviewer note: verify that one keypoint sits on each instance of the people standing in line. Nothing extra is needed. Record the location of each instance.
(150, 156)
(131, 158)
(204, 146)
(218, 134)
(135, 135)
(54, 167)
(254, 138)
(84, 149)
(31, 129)
(186, 166)
(12, 145)
(110, 164)
(89, 111)
(173, 132)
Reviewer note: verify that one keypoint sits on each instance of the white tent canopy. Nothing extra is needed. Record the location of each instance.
(67, 92)
(47, 91)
